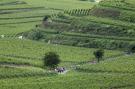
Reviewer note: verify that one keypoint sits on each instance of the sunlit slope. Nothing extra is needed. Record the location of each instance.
(18, 16)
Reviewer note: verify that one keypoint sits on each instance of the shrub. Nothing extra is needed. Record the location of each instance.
(35, 35)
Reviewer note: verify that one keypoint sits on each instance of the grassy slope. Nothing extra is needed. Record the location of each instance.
(31, 52)
(26, 51)
(46, 7)
(100, 21)
(106, 76)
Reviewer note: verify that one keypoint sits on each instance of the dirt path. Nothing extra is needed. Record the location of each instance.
(14, 65)
(93, 62)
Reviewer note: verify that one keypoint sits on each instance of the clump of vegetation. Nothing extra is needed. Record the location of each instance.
(132, 49)
(34, 35)
(99, 54)
(46, 17)
(51, 60)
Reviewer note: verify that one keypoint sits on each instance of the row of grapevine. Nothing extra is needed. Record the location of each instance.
(78, 12)
(121, 4)
(10, 72)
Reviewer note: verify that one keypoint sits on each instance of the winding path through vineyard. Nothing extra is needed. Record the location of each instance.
(72, 67)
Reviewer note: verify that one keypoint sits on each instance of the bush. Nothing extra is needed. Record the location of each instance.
(46, 17)
(132, 49)
(51, 60)
(99, 54)
(35, 35)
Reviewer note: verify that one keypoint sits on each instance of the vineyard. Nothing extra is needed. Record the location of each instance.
(101, 26)
(75, 30)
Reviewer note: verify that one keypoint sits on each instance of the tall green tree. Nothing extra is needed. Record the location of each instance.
(51, 60)
(132, 49)
(99, 54)
(46, 18)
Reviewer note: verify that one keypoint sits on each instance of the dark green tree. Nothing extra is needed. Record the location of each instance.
(132, 49)
(99, 54)
(46, 18)
(51, 60)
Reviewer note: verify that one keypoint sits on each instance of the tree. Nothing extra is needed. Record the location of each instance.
(99, 54)
(46, 18)
(132, 49)
(51, 60)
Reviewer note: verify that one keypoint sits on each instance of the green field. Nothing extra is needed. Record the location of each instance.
(17, 14)
(77, 28)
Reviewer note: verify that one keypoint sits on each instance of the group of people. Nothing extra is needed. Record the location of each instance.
(60, 70)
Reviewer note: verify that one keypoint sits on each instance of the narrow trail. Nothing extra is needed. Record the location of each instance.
(110, 58)
(93, 62)
(13, 65)
(64, 72)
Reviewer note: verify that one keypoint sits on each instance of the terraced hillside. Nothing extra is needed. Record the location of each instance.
(22, 15)
(74, 29)
(109, 25)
